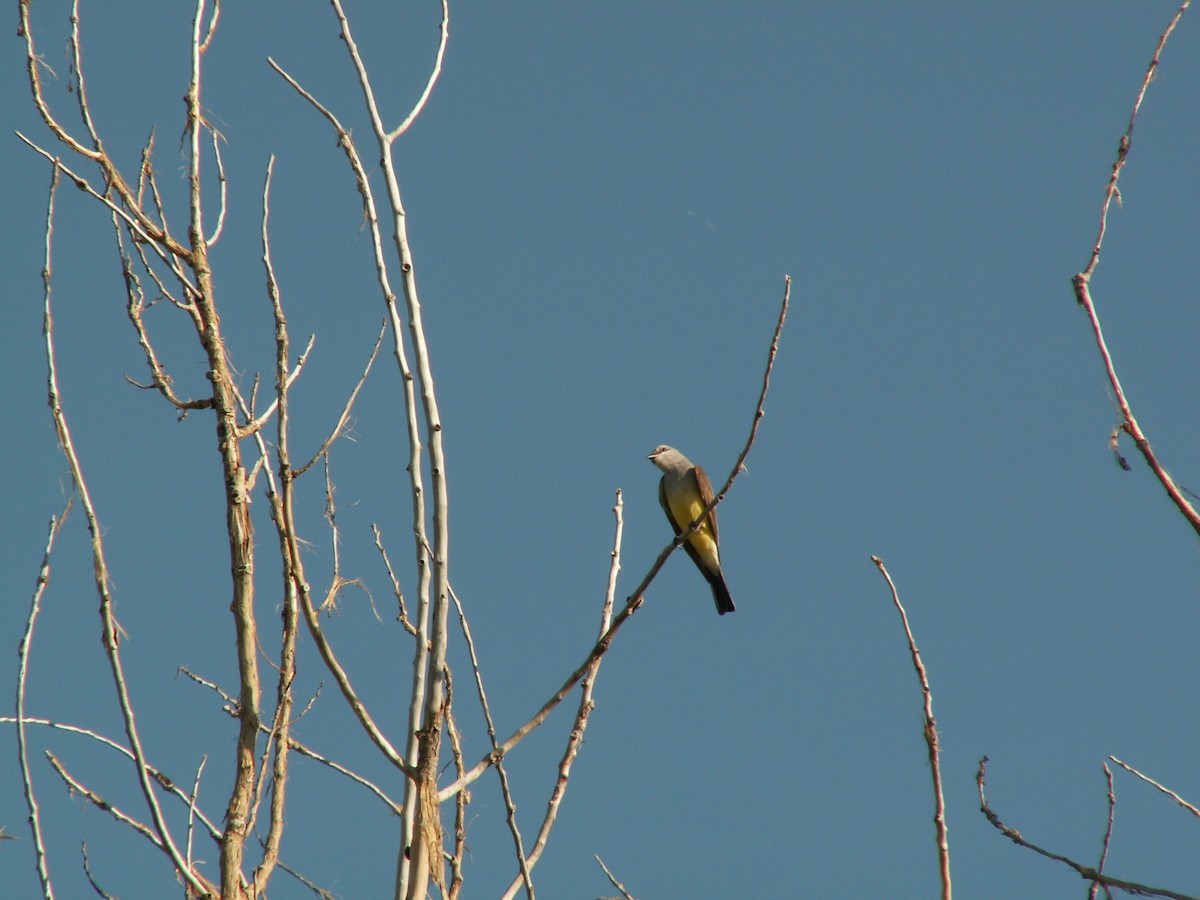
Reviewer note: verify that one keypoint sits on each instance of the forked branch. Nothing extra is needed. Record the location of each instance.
(1086, 872)
(1083, 295)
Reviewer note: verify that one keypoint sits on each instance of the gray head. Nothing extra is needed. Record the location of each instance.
(669, 459)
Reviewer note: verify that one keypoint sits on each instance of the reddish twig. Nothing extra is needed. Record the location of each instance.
(1082, 285)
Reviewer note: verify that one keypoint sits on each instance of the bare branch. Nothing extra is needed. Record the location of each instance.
(283, 504)
(455, 861)
(510, 806)
(318, 891)
(311, 617)
(134, 308)
(164, 248)
(215, 136)
(613, 878)
(586, 704)
(345, 416)
(343, 680)
(150, 834)
(212, 26)
(163, 780)
(77, 71)
(1094, 890)
(635, 600)
(304, 750)
(255, 424)
(193, 809)
(25, 646)
(1170, 793)
(1086, 872)
(111, 629)
(931, 737)
(87, 871)
(1126, 142)
(420, 661)
(112, 177)
(278, 743)
(399, 594)
(428, 690)
(299, 746)
(433, 77)
(1083, 294)
(23, 651)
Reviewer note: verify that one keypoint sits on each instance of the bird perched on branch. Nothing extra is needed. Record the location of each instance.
(684, 492)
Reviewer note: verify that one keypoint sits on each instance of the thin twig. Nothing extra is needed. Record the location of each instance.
(399, 594)
(1126, 140)
(1166, 790)
(510, 806)
(163, 246)
(278, 742)
(454, 891)
(161, 778)
(320, 892)
(613, 878)
(335, 540)
(100, 803)
(212, 26)
(43, 579)
(111, 176)
(295, 564)
(931, 737)
(253, 425)
(304, 750)
(87, 871)
(150, 834)
(296, 745)
(1094, 890)
(1086, 872)
(216, 139)
(23, 651)
(1082, 285)
(76, 49)
(134, 309)
(340, 426)
(433, 76)
(192, 807)
(586, 702)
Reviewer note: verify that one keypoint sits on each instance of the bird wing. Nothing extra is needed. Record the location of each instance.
(662, 501)
(706, 497)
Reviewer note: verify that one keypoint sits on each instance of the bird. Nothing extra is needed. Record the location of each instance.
(684, 492)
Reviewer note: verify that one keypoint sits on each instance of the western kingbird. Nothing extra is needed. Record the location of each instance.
(684, 492)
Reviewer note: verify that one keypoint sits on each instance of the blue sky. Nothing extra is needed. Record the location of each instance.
(603, 202)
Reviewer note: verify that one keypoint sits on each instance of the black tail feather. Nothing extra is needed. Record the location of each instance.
(721, 593)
